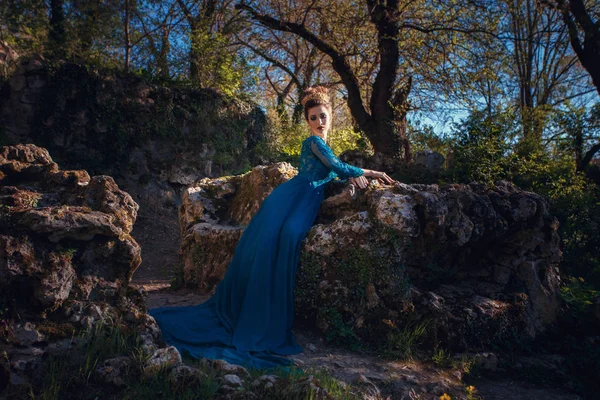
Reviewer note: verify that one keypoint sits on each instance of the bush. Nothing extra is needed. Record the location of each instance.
(481, 148)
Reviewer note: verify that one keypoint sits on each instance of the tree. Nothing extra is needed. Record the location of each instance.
(543, 65)
(583, 27)
(579, 133)
(293, 66)
(385, 122)
(214, 60)
(584, 34)
(156, 21)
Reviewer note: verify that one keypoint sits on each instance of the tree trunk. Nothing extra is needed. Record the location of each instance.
(57, 27)
(162, 61)
(127, 37)
(577, 18)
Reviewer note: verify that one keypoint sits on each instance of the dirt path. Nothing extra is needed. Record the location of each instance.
(383, 379)
(159, 237)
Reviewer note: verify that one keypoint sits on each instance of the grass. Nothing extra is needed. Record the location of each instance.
(403, 343)
(71, 375)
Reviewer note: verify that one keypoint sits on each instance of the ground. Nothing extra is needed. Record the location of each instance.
(387, 379)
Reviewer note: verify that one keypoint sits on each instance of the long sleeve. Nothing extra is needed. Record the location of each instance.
(324, 153)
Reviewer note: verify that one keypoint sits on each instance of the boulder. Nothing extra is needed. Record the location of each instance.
(165, 358)
(479, 263)
(66, 261)
(431, 161)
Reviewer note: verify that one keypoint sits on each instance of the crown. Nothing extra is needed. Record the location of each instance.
(318, 94)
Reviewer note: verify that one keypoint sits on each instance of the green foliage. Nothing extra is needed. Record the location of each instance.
(72, 372)
(422, 137)
(481, 146)
(220, 67)
(344, 139)
(287, 387)
(178, 280)
(307, 282)
(576, 203)
(579, 296)
(111, 123)
(285, 140)
(583, 365)
(482, 152)
(339, 332)
(24, 25)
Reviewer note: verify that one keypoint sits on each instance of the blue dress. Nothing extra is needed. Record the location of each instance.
(248, 321)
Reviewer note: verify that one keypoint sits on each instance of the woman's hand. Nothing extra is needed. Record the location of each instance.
(379, 175)
(360, 181)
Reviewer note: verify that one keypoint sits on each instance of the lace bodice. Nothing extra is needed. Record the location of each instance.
(320, 165)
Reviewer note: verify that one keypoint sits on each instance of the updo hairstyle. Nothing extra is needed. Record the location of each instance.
(315, 96)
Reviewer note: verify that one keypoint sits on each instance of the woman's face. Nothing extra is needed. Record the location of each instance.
(319, 120)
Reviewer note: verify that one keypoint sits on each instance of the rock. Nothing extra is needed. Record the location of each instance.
(25, 335)
(311, 347)
(165, 358)
(232, 380)
(264, 382)
(60, 347)
(549, 367)
(223, 367)
(149, 334)
(430, 160)
(255, 186)
(42, 104)
(368, 388)
(186, 375)
(66, 260)
(111, 371)
(486, 361)
(8, 57)
(451, 254)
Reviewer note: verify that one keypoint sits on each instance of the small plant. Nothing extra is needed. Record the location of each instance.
(441, 357)
(464, 363)
(471, 393)
(178, 281)
(339, 332)
(68, 252)
(403, 344)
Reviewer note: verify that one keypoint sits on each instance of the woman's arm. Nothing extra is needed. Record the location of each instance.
(324, 153)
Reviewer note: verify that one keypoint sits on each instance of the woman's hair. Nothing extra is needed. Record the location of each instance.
(315, 96)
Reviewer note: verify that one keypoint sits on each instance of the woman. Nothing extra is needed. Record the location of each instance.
(248, 321)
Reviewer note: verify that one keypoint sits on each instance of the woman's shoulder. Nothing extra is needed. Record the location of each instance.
(314, 138)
